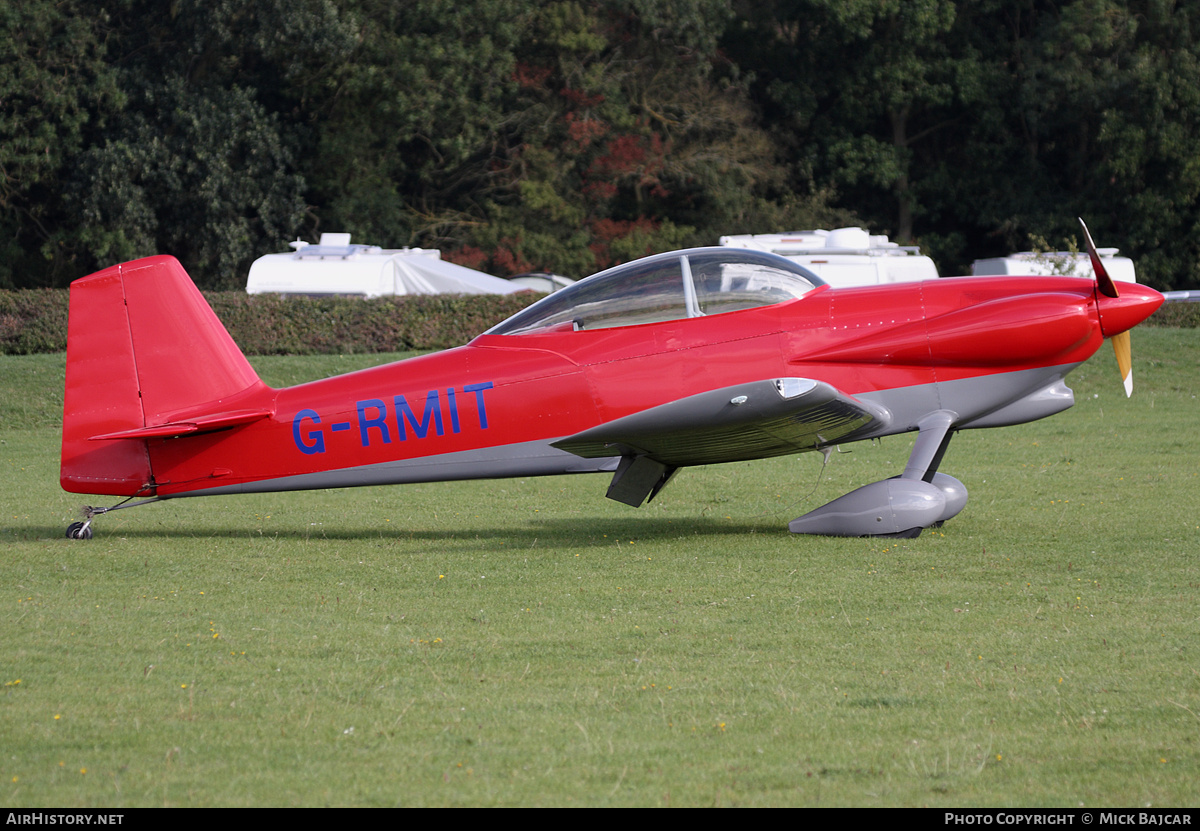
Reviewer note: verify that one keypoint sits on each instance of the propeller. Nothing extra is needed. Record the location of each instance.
(1121, 342)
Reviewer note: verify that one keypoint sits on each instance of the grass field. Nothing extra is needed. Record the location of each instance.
(528, 642)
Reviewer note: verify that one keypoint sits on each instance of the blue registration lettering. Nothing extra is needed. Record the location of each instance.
(479, 405)
(452, 406)
(379, 421)
(312, 441)
(373, 416)
(432, 414)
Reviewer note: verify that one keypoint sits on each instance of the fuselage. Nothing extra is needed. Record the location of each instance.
(975, 347)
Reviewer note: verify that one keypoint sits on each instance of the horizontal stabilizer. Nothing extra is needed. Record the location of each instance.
(195, 426)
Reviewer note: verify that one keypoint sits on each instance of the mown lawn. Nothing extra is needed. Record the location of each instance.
(528, 642)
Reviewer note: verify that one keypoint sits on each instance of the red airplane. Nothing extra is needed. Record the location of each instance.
(686, 358)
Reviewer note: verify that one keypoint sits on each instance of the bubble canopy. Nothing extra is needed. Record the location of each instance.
(672, 286)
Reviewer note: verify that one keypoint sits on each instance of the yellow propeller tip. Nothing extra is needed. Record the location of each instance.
(1124, 352)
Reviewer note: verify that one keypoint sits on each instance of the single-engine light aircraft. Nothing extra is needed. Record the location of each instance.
(687, 358)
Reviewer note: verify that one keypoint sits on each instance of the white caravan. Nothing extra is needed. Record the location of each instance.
(1065, 263)
(844, 256)
(336, 267)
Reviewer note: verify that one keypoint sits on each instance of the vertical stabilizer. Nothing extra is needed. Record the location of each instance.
(142, 346)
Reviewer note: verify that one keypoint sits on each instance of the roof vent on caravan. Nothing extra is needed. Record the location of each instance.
(844, 256)
(849, 239)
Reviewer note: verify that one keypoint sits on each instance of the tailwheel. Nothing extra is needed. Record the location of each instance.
(83, 530)
(80, 530)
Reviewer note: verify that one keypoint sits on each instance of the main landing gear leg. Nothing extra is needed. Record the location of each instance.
(83, 530)
(900, 507)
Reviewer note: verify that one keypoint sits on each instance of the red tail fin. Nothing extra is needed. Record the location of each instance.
(143, 348)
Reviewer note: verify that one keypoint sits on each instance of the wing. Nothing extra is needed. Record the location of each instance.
(746, 421)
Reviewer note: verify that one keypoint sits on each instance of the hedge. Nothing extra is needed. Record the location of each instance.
(33, 321)
(1178, 315)
(271, 324)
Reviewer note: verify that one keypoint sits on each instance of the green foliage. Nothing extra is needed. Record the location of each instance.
(403, 149)
(629, 142)
(56, 85)
(567, 136)
(205, 178)
(33, 321)
(983, 123)
(197, 157)
(860, 124)
(1147, 136)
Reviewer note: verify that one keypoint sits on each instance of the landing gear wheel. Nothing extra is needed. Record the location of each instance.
(79, 531)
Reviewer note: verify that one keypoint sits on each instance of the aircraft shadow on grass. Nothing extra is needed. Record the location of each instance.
(539, 534)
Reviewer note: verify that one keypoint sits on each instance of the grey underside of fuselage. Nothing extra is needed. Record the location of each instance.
(998, 400)
(535, 458)
(986, 401)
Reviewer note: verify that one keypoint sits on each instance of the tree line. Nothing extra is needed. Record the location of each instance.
(568, 136)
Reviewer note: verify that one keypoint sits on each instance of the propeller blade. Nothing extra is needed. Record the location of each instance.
(1105, 283)
(1122, 345)
(1124, 353)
